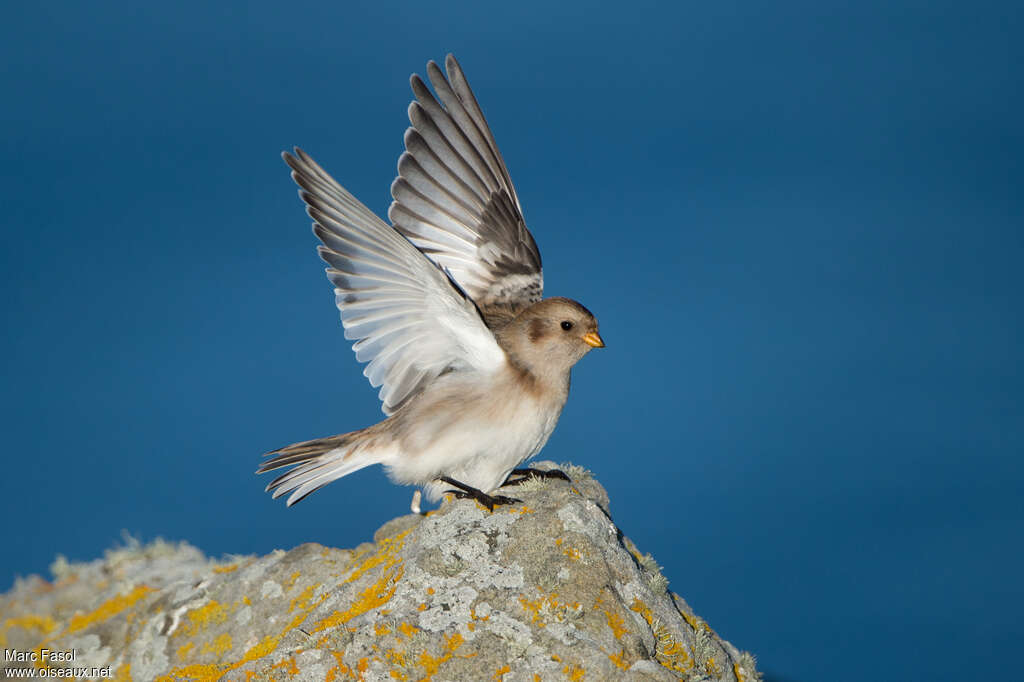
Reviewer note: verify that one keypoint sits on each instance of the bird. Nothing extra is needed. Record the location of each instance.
(446, 306)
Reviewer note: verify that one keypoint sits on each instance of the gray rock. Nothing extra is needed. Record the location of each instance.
(548, 589)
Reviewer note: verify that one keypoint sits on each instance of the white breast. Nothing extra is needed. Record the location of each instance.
(479, 445)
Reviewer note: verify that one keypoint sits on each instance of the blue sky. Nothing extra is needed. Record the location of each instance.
(799, 224)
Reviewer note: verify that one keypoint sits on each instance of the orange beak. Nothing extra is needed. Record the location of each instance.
(593, 339)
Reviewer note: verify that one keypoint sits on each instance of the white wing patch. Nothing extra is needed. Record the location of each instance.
(407, 319)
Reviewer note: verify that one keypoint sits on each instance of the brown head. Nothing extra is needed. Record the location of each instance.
(551, 336)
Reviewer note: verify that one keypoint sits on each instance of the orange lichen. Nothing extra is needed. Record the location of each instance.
(500, 672)
(643, 610)
(200, 618)
(432, 663)
(615, 622)
(377, 594)
(669, 652)
(396, 656)
(381, 629)
(574, 673)
(219, 646)
(225, 569)
(288, 665)
(547, 605)
(386, 555)
(184, 650)
(123, 673)
(302, 600)
(619, 659)
(44, 624)
(332, 674)
(406, 629)
(108, 609)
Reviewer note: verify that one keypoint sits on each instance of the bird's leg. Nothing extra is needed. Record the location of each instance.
(537, 473)
(480, 496)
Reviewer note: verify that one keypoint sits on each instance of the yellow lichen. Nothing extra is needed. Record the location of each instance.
(385, 555)
(225, 569)
(44, 624)
(432, 663)
(668, 651)
(574, 673)
(108, 609)
(302, 600)
(210, 613)
(619, 659)
(377, 594)
(184, 650)
(341, 668)
(288, 665)
(219, 646)
(547, 608)
(396, 656)
(616, 623)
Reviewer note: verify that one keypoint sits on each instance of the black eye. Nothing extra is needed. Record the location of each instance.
(566, 325)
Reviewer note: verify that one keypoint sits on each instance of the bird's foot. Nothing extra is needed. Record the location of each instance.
(526, 474)
(467, 491)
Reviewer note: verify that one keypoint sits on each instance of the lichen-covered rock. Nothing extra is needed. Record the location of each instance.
(548, 589)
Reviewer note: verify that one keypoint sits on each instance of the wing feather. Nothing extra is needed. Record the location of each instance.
(407, 319)
(454, 199)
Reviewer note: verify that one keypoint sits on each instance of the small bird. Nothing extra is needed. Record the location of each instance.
(446, 306)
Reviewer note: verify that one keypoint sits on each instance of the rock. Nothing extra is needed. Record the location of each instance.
(548, 589)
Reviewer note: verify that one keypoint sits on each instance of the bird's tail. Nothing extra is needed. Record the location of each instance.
(316, 463)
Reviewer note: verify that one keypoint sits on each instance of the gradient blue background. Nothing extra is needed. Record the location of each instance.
(799, 225)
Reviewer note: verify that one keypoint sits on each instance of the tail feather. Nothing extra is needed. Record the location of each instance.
(316, 463)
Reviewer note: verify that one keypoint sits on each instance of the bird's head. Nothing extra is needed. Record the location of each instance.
(552, 335)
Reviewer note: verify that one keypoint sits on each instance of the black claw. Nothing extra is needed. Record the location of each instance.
(467, 491)
(536, 473)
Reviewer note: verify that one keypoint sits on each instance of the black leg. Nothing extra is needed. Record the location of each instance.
(467, 491)
(537, 473)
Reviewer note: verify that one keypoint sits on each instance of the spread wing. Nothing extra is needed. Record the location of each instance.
(454, 200)
(408, 319)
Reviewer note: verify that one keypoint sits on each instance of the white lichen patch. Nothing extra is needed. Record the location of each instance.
(271, 590)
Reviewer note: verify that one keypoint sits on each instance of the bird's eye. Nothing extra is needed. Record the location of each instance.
(566, 325)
